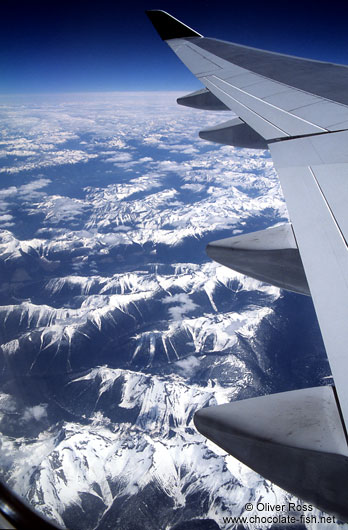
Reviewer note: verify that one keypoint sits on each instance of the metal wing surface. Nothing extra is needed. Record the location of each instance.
(298, 109)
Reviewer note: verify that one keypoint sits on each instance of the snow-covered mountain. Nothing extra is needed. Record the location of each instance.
(141, 464)
(115, 326)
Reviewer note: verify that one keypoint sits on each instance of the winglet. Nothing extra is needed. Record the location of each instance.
(169, 27)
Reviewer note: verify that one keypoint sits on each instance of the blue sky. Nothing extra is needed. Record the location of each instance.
(76, 46)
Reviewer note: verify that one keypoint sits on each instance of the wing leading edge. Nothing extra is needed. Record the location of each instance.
(298, 109)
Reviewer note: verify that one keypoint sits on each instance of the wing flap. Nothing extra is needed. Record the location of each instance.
(324, 113)
(262, 126)
(324, 254)
(287, 99)
(289, 123)
(328, 149)
(333, 183)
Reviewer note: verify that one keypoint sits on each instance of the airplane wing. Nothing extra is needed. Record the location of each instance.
(298, 109)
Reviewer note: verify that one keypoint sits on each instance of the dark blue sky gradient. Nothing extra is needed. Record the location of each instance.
(59, 46)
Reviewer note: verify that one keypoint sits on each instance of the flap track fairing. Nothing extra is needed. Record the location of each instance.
(234, 132)
(202, 99)
(295, 439)
(270, 256)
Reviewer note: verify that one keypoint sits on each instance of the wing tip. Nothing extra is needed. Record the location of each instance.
(169, 27)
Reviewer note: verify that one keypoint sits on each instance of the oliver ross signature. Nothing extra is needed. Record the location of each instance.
(289, 507)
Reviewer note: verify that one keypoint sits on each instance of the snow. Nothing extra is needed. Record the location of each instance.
(146, 184)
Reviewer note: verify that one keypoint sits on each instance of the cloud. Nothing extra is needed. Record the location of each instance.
(187, 149)
(26, 192)
(6, 217)
(186, 305)
(116, 142)
(188, 365)
(121, 157)
(7, 403)
(8, 192)
(37, 413)
(196, 188)
(59, 209)
(34, 185)
(153, 139)
(50, 158)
